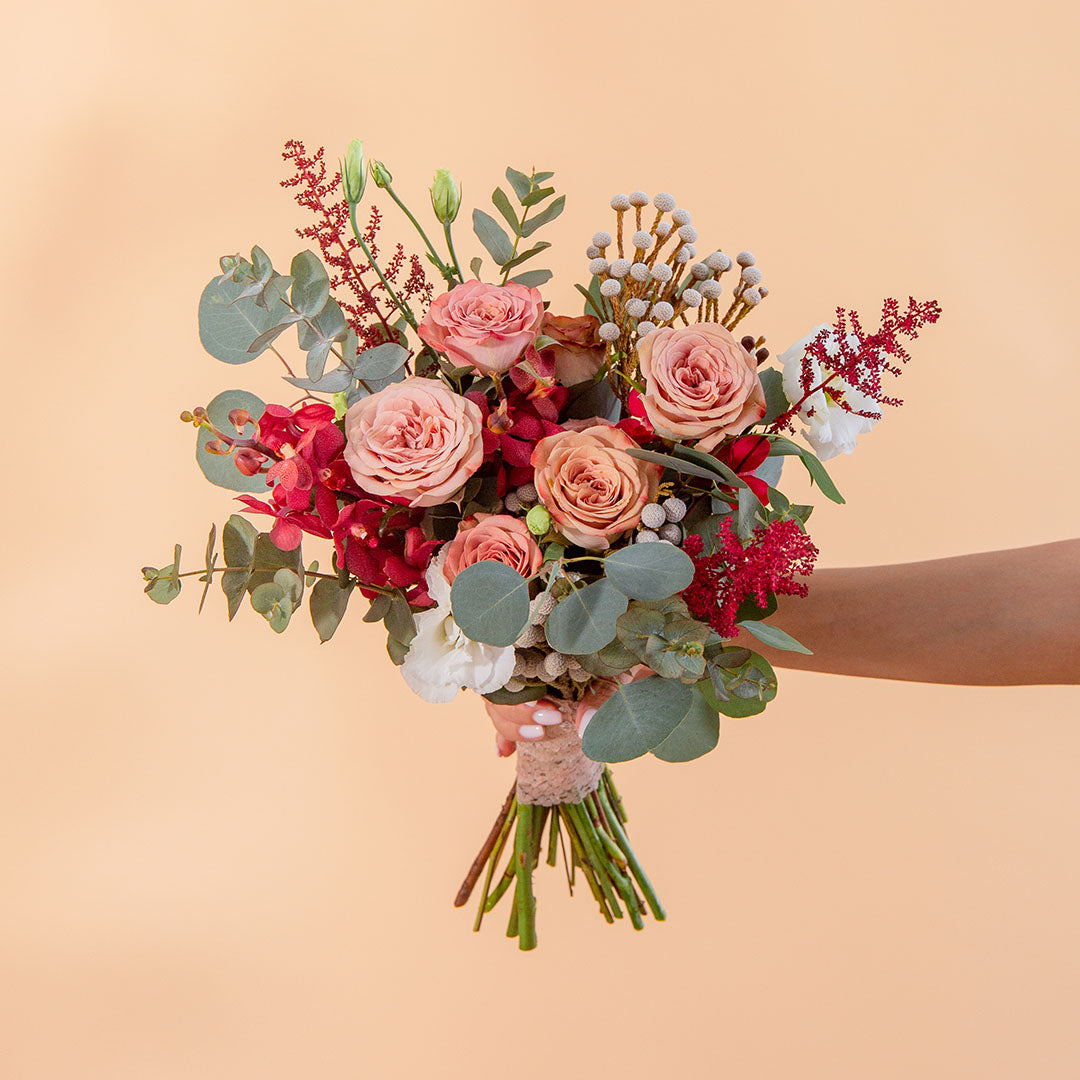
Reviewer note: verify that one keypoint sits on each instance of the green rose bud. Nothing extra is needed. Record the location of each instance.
(354, 172)
(381, 175)
(445, 196)
(538, 520)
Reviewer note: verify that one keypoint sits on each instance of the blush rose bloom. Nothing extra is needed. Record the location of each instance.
(414, 441)
(492, 538)
(486, 327)
(591, 487)
(701, 384)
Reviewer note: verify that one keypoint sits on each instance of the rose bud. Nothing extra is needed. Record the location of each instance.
(249, 461)
(381, 175)
(445, 196)
(354, 172)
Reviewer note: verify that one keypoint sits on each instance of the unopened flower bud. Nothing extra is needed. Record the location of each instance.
(354, 172)
(381, 175)
(239, 418)
(445, 196)
(538, 520)
(186, 417)
(248, 461)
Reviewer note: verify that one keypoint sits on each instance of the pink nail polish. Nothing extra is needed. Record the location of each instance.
(530, 731)
(546, 716)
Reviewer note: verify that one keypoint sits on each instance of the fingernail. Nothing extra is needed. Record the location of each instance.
(544, 715)
(586, 716)
(530, 731)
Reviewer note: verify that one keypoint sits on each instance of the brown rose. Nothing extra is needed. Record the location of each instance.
(580, 352)
(700, 384)
(492, 538)
(591, 487)
(415, 440)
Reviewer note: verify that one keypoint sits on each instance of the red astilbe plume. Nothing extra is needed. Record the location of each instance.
(767, 563)
(844, 355)
(320, 192)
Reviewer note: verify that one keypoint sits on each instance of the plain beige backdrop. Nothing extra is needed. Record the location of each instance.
(230, 855)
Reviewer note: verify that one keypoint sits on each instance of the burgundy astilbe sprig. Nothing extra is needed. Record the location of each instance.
(770, 562)
(845, 355)
(369, 311)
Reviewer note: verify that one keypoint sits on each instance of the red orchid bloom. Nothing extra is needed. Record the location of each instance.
(289, 525)
(743, 456)
(637, 425)
(512, 431)
(382, 545)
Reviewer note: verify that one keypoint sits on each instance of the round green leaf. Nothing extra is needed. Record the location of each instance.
(311, 286)
(649, 571)
(490, 603)
(584, 622)
(637, 717)
(697, 734)
(229, 324)
(220, 469)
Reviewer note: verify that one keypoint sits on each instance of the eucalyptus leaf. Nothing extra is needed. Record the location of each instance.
(637, 717)
(381, 361)
(220, 469)
(774, 636)
(317, 356)
(776, 402)
(378, 608)
(492, 237)
(474, 266)
(698, 733)
(332, 382)
(584, 621)
(537, 196)
(548, 214)
(311, 285)
(649, 571)
(688, 468)
(503, 696)
(490, 602)
(517, 260)
(229, 323)
(532, 279)
(782, 446)
(502, 203)
(521, 184)
(327, 605)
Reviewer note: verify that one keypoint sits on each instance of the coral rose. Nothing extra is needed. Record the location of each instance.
(593, 489)
(700, 384)
(492, 538)
(414, 441)
(486, 327)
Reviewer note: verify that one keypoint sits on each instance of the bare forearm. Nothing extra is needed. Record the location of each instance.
(995, 618)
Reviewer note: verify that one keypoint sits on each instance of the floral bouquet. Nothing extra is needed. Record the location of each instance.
(584, 509)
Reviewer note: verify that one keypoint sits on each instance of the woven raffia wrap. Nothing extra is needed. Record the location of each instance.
(554, 770)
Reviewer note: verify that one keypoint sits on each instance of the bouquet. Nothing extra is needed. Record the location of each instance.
(581, 508)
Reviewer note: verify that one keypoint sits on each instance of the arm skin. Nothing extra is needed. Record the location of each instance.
(999, 618)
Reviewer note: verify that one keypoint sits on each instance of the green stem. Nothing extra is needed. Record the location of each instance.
(443, 268)
(635, 867)
(401, 305)
(496, 853)
(453, 253)
(262, 570)
(525, 901)
(594, 855)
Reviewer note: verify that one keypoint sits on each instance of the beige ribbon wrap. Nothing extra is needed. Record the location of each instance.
(554, 769)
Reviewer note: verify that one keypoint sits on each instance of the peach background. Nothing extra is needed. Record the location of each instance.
(226, 854)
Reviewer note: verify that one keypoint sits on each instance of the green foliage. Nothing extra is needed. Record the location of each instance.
(665, 638)
(238, 307)
(238, 545)
(818, 473)
(503, 247)
(533, 279)
(638, 717)
(516, 697)
(584, 621)
(649, 571)
(327, 603)
(696, 734)
(220, 469)
(493, 237)
(254, 560)
(163, 585)
(277, 599)
(776, 402)
(744, 690)
(211, 562)
(311, 284)
(774, 636)
(688, 468)
(490, 602)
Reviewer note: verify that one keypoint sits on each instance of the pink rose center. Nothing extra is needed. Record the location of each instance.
(700, 375)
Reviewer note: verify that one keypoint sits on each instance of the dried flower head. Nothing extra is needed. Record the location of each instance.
(644, 328)
(718, 261)
(598, 265)
(662, 272)
(639, 198)
(691, 298)
(685, 254)
(664, 202)
(592, 252)
(699, 272)
(642, 240)
(620, 202)
(663, 228)
(610, 287)
(601, 239)
(619, 268)
(636, 307)
(639, 271)
(745, 258)
(681, 216)
(662, 311)
(687, 234)
(711, 289)
(751, 297)
(609, 332)
(751, 275)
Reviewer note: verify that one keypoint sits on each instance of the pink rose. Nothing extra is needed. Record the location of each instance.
(487, 327)
(700, 383)
(580, 353)
(415, 440)
(492, 538)
(591, 487)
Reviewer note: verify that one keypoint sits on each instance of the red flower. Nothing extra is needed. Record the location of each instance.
(767, 563)
(512, 430)
(637, 425)
(743, 456)
(382, 545)
(289, 525)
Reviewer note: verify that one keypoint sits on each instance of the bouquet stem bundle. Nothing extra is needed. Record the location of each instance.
(573, 799)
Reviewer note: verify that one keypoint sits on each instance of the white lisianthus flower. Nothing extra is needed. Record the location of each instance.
(832, 430)
(441, 660)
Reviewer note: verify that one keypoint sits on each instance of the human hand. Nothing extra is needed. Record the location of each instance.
(529, 722)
